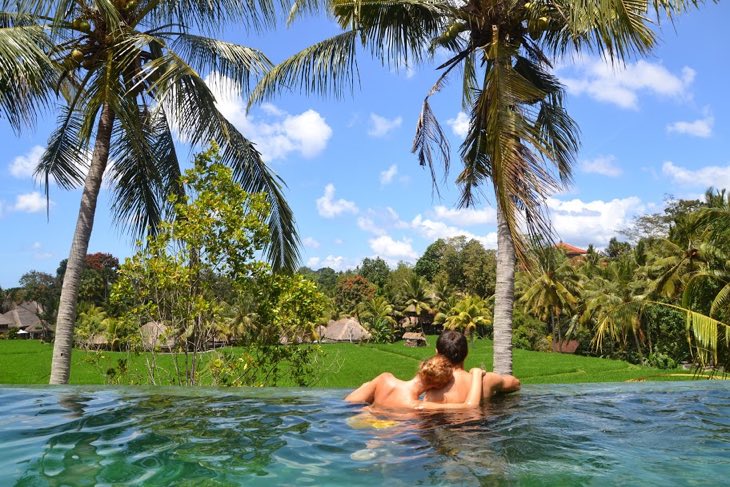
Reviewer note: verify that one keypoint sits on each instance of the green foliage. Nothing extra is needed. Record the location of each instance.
(214, 238)
(374, 270)
(351, 291)
(470, 315)
(377, 316)
(528, 332)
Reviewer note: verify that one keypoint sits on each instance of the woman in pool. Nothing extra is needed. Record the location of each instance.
(386, 391)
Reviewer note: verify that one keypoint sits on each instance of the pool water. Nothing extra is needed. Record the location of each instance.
(596, 434)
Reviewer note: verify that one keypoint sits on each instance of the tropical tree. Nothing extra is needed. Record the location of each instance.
(130, 73)
(613, 304)
(377, 315)
(467, 315)
(520, 136)
(415, 298)
(551, 286)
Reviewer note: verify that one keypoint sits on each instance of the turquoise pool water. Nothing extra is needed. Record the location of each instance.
(607, 434)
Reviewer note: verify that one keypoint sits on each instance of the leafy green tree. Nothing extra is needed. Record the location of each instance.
(127, 79)
(375, 270)
(351, 291)
(429, 263)
(219, 230)
(520, 137)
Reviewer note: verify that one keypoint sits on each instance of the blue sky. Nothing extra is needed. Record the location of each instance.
(653, 127)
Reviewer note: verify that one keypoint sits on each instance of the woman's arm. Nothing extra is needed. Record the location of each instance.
(366, 392)
(472, 399)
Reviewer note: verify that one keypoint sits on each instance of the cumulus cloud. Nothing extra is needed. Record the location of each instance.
(717, 176)
(24, 166)
(328, 207)
(603, 165)
(368, 225)
(466, 216)
(381, 126)
(336, 262)
(621, 84)
(698, 128)
(278, 133)
(582, 222)
(432, 230)
(386, 246)
(386, 177)
(310, 242)
(30, 202)
(460, 124)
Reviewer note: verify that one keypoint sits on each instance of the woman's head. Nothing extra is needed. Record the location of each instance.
(435, 372)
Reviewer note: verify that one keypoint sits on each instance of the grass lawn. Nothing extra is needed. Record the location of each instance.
(341, 365)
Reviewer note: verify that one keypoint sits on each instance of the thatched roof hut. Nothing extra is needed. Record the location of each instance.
(345, 330)
(414, 339)
(24, 315)
(156, 335)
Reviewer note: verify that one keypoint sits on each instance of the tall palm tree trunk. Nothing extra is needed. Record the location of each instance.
(63, 344)
(504, 297)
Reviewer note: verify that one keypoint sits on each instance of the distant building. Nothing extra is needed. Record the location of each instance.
(24, 318)
(570, 250)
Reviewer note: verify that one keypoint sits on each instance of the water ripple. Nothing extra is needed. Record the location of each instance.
(598, 434)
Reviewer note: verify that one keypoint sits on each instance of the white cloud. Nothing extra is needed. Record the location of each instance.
(328, 207)
(466, 216)
(368, 225)
(386, 177)
(278, 133)
(433, 230)
(30, 202)
(604, 165)
(460, 124)
(336, 262)
(386, 246)
(394, 218)
(579, 222)
(621, 84)
(698, 128)
(380, 126)
(310, 242)
(24, 166)
(716, 176)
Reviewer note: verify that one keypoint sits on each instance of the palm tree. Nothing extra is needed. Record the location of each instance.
(416, 300)
(613, 303)
(131, 69)
(552, 286)
(520, 136)
(377, 315)
(466, 315)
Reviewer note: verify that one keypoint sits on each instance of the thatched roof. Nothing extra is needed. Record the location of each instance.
(411, 335)
(24, 316)
(97, 340)
(345, 330)
(154, 335)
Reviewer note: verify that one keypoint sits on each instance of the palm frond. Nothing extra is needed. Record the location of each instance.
(233, 61)
(27, 75)
(326, 68)
(66, 157)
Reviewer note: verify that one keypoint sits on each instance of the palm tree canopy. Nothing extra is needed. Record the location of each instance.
(143, 60)
(520, 137)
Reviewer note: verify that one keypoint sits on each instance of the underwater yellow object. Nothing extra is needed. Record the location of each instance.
(366, 420)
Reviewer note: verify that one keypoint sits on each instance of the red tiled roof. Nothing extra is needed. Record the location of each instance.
(570, 249)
